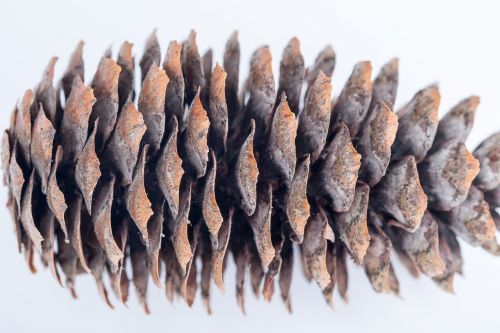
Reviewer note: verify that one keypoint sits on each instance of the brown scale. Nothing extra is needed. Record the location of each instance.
(170, 182)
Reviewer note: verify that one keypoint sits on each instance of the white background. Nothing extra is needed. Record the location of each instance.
(454, 43)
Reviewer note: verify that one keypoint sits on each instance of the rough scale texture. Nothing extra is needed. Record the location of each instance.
(165, 184)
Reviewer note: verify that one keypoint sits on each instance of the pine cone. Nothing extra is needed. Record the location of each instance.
(200, 168)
